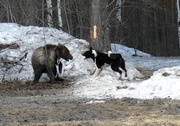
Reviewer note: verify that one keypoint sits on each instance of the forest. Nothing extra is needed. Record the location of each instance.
(147, 25)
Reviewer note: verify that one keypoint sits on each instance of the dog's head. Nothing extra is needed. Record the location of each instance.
(89, 54)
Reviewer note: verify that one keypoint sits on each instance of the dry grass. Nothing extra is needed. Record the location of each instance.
(147, 73)
(125, 112)
(150, 120)
(18, 85)
(57, 111)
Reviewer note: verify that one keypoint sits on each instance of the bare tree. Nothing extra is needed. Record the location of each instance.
(100, 25)
(151, 26)
(59, 13)
(76, 17)
(70, 15)
(49, 13)
(25, 12)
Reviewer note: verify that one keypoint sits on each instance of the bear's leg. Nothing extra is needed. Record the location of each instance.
(50, 73)
(37, 74)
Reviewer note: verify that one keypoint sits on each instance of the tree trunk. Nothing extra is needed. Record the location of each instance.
(59, 13)
(49, 13)
(99, 20)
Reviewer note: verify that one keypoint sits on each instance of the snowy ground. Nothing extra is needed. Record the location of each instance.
(165, 82)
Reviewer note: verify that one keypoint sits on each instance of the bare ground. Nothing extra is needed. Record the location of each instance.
(46, 104)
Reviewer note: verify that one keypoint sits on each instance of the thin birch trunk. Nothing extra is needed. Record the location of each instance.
(59, 13)
(50, 13)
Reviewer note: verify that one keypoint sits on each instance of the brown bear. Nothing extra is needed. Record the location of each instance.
(44, 60)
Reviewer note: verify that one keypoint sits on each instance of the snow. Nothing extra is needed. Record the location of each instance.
(164, 83)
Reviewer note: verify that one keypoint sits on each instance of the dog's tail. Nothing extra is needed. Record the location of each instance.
(114, 56)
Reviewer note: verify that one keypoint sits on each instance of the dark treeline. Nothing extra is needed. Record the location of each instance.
(147, 25)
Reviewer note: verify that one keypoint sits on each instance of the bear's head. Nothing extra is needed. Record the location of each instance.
(63, 52)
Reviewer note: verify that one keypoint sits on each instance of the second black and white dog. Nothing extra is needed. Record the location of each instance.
(115, 60)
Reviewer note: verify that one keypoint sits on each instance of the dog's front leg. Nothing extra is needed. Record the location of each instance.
(97, 72)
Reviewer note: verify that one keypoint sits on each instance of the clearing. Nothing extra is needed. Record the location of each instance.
(46, 104)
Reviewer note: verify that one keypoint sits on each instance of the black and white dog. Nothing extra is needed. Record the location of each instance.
(115, 60)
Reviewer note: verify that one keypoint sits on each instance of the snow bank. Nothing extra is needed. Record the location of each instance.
(163, 84)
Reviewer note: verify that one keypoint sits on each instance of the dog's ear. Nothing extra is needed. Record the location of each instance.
(90, 48)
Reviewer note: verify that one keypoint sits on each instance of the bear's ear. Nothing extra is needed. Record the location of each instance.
(59, 44)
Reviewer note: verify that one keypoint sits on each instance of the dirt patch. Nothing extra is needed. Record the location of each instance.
(16, 88)
(147, 73)
(54, 104)
(10, 46)
(17, 85)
